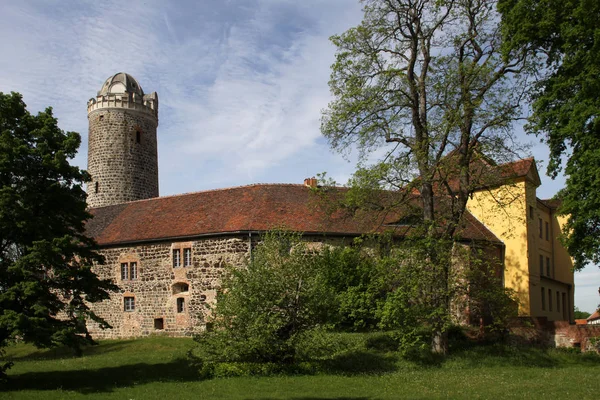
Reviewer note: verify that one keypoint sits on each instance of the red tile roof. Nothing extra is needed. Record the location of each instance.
(247, 208)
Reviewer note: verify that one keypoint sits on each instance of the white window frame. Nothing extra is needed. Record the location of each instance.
(128, 303)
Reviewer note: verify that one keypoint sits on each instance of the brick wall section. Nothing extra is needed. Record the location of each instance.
(554, 333)
(153, 288)
(124, 169)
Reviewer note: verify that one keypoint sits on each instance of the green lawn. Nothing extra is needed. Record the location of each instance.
(157, 368)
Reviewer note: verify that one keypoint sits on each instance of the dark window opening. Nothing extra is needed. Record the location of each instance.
(543, 298)
(180, 304)
(531, 212)
(97, 187)
(548, 266)
(180, 287)
(101, 117)
(557, 301)
(540, 228)
(129, 303)
(547, 232)
(549, 299)
(159, 323)
(541, 265)
(138, 136)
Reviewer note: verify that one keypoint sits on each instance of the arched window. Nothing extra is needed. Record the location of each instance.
(180, 287)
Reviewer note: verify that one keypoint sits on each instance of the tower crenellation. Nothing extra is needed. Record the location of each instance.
(122, 143)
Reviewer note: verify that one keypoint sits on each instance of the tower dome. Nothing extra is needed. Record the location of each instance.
(121, 83)
(122, 143)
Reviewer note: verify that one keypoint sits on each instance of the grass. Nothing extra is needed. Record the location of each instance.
(157, 368)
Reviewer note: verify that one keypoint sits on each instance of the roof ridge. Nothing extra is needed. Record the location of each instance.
(202, 191)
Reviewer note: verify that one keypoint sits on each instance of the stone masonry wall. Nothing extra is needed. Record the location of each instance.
(156, 288)
(157, 283)
(122, 168)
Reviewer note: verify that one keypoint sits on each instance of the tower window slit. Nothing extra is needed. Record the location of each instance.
(97, 189)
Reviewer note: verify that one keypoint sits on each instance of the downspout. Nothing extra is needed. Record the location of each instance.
(250, 244)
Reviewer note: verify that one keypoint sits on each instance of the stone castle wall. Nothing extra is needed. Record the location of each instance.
(158, 284)
(122, 156)
(156, 287)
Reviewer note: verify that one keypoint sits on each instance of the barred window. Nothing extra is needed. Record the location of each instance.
(129, 303)
(180, 304)
(176, 258)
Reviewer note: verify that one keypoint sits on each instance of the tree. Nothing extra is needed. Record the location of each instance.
(578, 314)
(263, 311)
(424, 83)
(46, 279)
(565, 34)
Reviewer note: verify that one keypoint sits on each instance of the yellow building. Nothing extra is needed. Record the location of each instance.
(536, 265)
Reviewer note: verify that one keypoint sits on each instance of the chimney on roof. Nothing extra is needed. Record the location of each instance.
(311, 182)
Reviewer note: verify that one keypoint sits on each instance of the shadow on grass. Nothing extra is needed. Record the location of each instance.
(59, 353)
(315, 398)
(102, 379)
(360, 362)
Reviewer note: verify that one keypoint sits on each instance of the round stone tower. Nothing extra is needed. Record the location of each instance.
(122, 145)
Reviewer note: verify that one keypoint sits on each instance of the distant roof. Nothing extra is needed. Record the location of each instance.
(119, 83)
(594, 316)
(250, 208)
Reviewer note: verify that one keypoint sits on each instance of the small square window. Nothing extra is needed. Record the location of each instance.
(187, 257)
(176, 258)
(124, 271)
(180, 304)
(159, 323)
(129, 304)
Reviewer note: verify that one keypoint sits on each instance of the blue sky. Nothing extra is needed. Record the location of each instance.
(241, 83)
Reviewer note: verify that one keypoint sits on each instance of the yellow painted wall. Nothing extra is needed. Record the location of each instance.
(513, 213)
(504, 210)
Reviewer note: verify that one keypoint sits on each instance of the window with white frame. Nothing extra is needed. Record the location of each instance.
(176, 258)
(129, 271)
(128, 303)
(187, 257)
(182, 256)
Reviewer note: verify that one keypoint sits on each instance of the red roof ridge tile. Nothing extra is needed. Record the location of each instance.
(170, 196)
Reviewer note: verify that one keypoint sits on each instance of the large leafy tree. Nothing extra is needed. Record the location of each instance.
(265, 310)
(565, 34)
(46, 281)
(417, 81)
